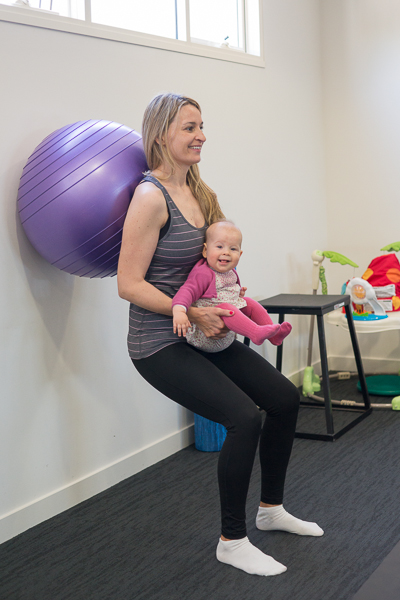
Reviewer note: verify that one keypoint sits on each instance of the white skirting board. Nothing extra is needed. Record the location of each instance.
(348, 363)
(44, 508)
(371, 365)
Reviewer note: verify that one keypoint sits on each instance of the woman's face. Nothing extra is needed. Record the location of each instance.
(185, 136)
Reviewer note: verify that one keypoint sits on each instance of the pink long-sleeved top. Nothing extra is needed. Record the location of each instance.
(199, 284)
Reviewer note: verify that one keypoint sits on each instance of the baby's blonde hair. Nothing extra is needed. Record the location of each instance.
(224, 221)
(158, 116)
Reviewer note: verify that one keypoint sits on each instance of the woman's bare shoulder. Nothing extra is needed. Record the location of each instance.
(148, 192)
(148, 204)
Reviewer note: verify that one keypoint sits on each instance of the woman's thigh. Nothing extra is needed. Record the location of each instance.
(257, 378)
(189, 377)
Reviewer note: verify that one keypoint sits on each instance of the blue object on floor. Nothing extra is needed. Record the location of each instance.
(209, 436)
(382, 385)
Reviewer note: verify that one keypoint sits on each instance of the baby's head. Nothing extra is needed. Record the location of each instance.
(222, 248)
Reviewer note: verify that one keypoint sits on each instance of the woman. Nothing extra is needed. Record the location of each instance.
(162, 240)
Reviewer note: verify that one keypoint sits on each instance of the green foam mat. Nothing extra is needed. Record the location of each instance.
(382, 385)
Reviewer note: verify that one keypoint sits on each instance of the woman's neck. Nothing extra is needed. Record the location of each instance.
(176, 179)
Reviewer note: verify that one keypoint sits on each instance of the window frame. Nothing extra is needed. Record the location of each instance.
(46, 20)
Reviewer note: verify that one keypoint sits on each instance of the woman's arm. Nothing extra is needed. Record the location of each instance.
(147, 214)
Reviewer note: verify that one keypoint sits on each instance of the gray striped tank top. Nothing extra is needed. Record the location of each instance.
(176, 254)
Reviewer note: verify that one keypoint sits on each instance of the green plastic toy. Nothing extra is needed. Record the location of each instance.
(339, 258)
(396, 403)
(382, 385)
(395, 247)
(311, 381)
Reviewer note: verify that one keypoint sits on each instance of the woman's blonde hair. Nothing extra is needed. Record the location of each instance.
(157, 118)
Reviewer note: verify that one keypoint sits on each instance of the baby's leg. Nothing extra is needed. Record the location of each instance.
(256, 312)
(259, 314)
(241, 324)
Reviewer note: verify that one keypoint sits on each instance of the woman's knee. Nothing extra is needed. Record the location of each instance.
(289, 402)
(247, 423)
(292, 399)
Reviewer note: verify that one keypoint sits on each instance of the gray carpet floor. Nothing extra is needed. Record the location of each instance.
(153, 536)
(384, 583)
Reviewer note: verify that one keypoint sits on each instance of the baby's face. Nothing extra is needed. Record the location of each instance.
(222, 249)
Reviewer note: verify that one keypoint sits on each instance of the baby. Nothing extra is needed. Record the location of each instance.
(214, 282)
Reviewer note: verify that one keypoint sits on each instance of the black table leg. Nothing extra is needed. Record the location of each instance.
(304, 304)
(325, 375)
(279, 349)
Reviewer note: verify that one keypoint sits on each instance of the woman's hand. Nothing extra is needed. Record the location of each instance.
(208, 320)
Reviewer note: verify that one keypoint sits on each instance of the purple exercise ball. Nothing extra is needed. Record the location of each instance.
(74, 194)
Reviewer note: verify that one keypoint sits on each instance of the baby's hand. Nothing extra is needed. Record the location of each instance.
(242, 292)
(180, 321)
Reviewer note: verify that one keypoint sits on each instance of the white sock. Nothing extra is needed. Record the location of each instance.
(276, 518)
(243, 555)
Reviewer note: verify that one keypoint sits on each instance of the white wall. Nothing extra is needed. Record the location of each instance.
(75, 417)
(361, 79)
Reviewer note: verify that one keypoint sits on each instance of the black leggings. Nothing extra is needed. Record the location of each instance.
(226, 387)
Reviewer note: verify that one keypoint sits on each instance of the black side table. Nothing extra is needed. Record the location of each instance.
(308, 304)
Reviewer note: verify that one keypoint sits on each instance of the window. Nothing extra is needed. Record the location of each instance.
(219, 22)
(157, 17)
(63, 8)
(226, 29)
